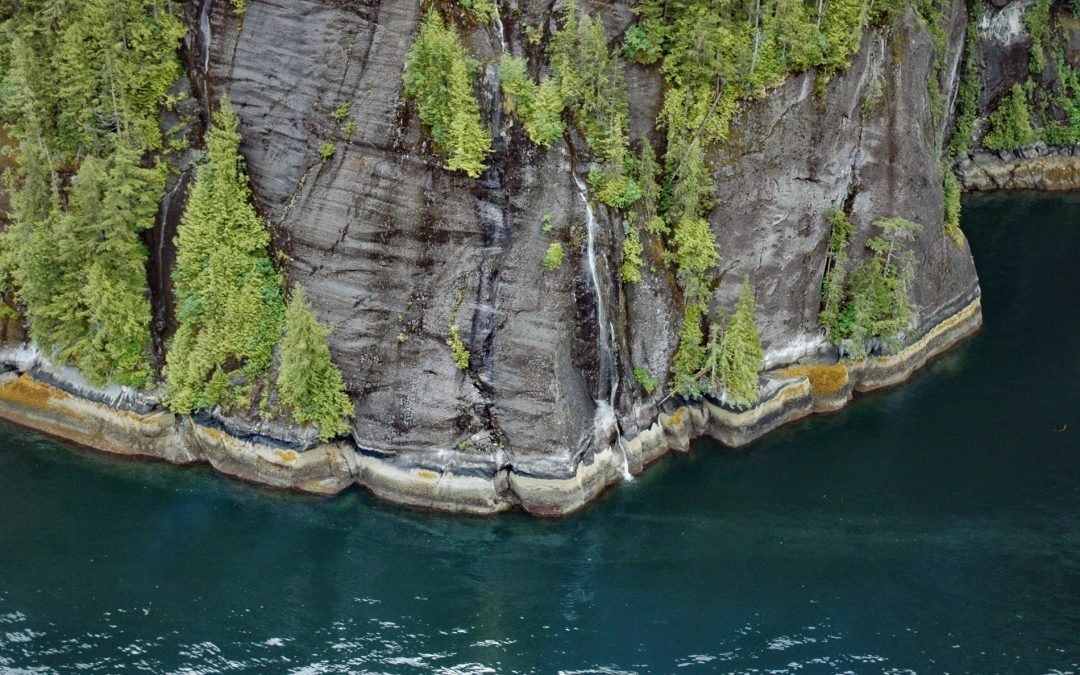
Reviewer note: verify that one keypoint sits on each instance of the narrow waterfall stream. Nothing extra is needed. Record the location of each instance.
(607, 372)
(204, 39)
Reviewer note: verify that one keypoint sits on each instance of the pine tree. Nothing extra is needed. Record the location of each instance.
(690, 356)
(437, 77)
(229, 304)
(648, 169)
(467, 142)
(695, 253)
(740, 354)
(310, 385)
(81, 85)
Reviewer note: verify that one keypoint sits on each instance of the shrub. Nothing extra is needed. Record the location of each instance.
(1010, 123)
(553, 258)
(645, 379)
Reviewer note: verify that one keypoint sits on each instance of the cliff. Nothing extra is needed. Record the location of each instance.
(392, 249)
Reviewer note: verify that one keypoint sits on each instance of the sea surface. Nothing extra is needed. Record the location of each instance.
(932, 528)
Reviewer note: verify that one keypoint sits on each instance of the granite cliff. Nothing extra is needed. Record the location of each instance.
(392, 249)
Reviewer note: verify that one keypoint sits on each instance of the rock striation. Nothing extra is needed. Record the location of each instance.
(391, 249)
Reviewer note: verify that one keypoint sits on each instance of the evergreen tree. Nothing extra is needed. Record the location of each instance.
(875, 299)
(631, 265)
(690, 357)
(81, 88)
(229, 304)
(832, 282)
(648, 169)
(695, 253)
(468, 143)
(539, 107)
(740, 356)
(437, 76)
(310, 384)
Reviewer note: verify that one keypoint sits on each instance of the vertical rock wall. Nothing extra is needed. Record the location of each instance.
(386, 242)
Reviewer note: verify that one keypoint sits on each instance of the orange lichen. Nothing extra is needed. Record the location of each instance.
(823, 379)
(286, 455)
(30, 392)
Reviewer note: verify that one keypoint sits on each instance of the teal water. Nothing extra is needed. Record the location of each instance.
(932, 528)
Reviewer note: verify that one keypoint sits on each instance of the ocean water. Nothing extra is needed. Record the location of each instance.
(933, 528)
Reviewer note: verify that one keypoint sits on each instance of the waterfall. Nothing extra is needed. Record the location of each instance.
(606, 348)
(204, 38)
(166, 205)
(605, 332)
(204, 34)
(498, 26)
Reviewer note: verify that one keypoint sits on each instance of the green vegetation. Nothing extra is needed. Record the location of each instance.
(483, 10)
(437, 78)
(836, 258)
(453, 340)
(967, 96)
(592, 87)
(327, 150)
(689, 359)
(631, 265)
(538, 106)
(644, 378)
(228, 295)
(951, 189)
(732, 357)
(342, 111)
(735, 360)
(712, 57)
(933, 14)
(81, 86)
(695, 253)
(874, 300)
(553, 257)
(1037, 21)
(310, 385)
(1067, 132)
(1010, 123)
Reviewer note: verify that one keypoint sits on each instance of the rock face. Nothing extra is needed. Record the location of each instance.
(868, 146)
(391, 248)
(1033, 168)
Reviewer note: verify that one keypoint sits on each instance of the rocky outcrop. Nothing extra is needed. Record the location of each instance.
(385, 241)
(391, 249)
(120, 421)
(867, 146)
(1038, 167)
(1004, 56)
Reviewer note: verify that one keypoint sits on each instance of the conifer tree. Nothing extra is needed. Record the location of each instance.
(632, 249)
(740, 354)
(690, 356)
(437, 77)
(310, 385)
(229, 304)
(467, 142)
(648, 169)
(81, 85)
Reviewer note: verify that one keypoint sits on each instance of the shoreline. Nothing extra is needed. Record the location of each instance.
(1034, 167)
(444, 479)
